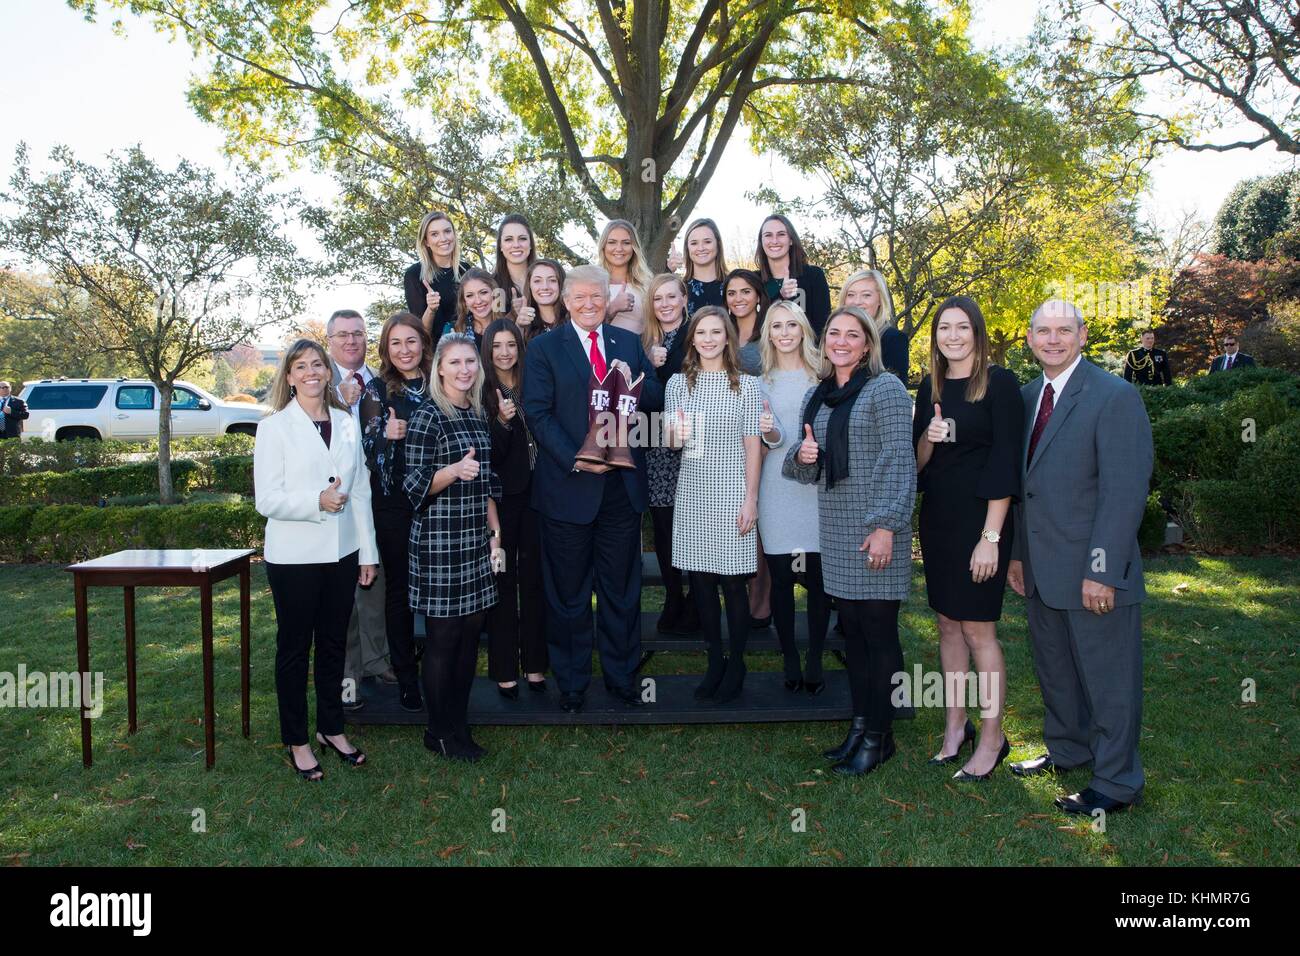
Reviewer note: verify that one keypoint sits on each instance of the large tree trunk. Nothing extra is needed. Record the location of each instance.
(166, 493)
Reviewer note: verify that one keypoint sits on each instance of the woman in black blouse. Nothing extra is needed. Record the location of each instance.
(516, 636)
(390, 398)
(455, 544)
(516, 252)
(430, 283)
(786, 273)
(543, 307)
(968, 431)
(706, 265)
(477, 304)
(868, 291)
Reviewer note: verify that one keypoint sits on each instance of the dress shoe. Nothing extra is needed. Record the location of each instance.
(961, 776)
(875, 749)
(713, 676)
(509, 693)
(627, 695)
(814, 687)
(758, 623)
(733, 681)
(570, 703)
(1087, 800)
(1033, 768)
(967, 738)
(410, 699)
(537, 686)
(857, 727)
(469, 744)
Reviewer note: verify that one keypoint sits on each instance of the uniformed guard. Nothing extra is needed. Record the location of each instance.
(1148, 365)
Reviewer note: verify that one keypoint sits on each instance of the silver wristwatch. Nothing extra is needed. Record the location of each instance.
(990, 536)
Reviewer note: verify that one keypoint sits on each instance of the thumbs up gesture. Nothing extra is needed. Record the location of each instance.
(808, 448)
(766, 421)
(467, 468)
(658, 355)
(394, 428)
(524, 315)
(331, 499)
(680, 427)
(938, 430)
(675, 260)
(505, 408)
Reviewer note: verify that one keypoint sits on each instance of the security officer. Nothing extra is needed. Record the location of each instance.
(1148, 365)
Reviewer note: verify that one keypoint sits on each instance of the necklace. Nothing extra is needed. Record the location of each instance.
(415, 390)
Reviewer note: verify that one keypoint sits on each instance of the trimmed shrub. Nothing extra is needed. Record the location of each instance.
(234, 474)
(28, 457)
(1272, 466)
(1176, 437)
(1151, 533)
(86, 486)
(1219, 514)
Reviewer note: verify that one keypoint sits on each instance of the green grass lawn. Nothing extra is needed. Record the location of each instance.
(1221, 773)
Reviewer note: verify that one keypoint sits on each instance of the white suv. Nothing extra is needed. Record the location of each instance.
(127, 409)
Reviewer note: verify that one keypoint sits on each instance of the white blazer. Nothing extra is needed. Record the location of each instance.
(291, 467)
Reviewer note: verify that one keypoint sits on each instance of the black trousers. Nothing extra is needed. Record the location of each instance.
(704, 586)
(313, 603)
(872, 656)
(517, 622)
(782, 569)
(450, 659)
(392, 534)
(606, 555)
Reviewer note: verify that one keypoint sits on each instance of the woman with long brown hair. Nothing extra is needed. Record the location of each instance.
(706, 265)
(477, 304)
(543, 308)
(968, 431)
(786, 272)
(516, 251)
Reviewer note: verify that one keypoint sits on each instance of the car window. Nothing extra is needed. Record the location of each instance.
(135, 397)
(65, 396)
(183, 398)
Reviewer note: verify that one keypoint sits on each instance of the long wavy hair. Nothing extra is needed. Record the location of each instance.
(638, 273)
(885, 315)
(653, 333)
(755, 282)
(798, 259)
(691, 358)
(501, 272)
(280, 394)
(462, 307)
(872, 359)
(720, 262)
(978, 383)
(427, 266)
(390, 373)
(436, 390)
(490, 380)
(808, 350)
(561, 313)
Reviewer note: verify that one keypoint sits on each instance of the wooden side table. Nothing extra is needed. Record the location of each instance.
(184, 567)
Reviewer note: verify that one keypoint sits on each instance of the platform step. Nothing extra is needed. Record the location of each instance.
(763, 639)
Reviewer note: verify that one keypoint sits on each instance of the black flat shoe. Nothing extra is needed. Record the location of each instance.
(874, 750)
(961, 776)
(814, 687)
(509, 693)
(537, 686)
(410, 700)
(1087, 801)
(310, 773)
(968, 737)
(794, 685)
(857, 727)
(356, 758)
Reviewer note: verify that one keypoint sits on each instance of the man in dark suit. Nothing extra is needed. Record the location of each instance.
(14, 413)
(1075, 557)
(1148, 365)
(1231, 358)
(590, 513)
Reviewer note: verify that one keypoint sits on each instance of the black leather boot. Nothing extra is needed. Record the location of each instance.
(857, 727)
(875, 749)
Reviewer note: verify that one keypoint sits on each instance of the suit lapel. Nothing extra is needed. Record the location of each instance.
(1031, 403)
(308, 436)
(1061, 411)
(575, 350)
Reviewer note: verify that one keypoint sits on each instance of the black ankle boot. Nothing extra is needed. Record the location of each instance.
(409, 697)
(713, 677)
(857, 727)
(875, 749)
(733, 681)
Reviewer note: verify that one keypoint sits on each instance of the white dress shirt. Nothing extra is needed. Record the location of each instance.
(1058, 386)
(584, 339)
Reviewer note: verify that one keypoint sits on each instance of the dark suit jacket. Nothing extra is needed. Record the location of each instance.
(556, 375)
(12, 426)
(1241, 361)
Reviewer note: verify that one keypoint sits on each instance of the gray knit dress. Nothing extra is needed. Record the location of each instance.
(879, 492)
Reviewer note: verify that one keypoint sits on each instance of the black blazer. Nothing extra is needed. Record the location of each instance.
(1241, 361)
(557, 372)
(893, 352)
(444, 283)
(12, 425)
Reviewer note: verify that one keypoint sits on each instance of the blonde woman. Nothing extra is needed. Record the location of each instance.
(868, 291)
(787, 510)
(431, 282)
(313, 488)
(619, 253)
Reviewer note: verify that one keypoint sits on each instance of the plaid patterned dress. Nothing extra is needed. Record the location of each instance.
(451, 573)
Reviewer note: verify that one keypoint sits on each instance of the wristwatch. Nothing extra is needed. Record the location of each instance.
(990, 536)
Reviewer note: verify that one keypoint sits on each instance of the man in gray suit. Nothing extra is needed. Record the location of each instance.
(1075, 557)
(367, 646)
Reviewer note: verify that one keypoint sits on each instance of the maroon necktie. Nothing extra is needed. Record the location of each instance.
(1040, 423)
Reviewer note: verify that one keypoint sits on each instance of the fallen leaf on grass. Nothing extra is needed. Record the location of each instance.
(572, 800)
(447, 851)
(295, 844)
(898, 803)
(132, 845)
(680, 816)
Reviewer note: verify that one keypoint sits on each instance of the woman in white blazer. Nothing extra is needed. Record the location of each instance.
(311, 484)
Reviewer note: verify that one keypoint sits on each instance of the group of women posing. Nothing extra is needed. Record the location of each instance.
(785, 434)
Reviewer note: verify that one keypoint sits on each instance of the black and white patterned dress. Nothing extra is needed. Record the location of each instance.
(711, 482)
(451, 571)
(662, 462)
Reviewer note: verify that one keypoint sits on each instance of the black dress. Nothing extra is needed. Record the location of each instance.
(444, 283)
(957, 483)
(817, 296)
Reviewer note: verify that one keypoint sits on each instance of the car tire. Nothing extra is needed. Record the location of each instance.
(242, 429)
(72, 433)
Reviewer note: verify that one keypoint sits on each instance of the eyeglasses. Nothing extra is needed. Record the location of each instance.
(348, 335)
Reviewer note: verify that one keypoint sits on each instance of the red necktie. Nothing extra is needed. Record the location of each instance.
(597, 360)
(1040, 423)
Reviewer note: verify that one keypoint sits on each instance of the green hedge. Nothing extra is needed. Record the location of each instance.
(74, 533)
(86, 486)
(233, 474)
(21, 458)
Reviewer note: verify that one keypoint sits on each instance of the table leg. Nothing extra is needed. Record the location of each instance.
(244, 592)
(83, 661)
(128, 601)
(209, 717)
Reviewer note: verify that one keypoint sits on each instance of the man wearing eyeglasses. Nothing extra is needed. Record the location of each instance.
(367, 648)
(14, 411)
(1231, 358)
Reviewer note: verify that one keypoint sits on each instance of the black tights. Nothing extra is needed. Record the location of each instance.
(661, 520)
(782, 568)
(450, 659)
(704, 586)
(872, 656)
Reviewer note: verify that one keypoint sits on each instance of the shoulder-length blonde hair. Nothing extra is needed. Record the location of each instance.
(427, 265)
(808, 351)
(691, 358)
(436, 391)
(280, 390)
(653, 334)
(638, 274)
(872, 359)
(720, 263)
(978, 383)
(885, 315)
(393, 378)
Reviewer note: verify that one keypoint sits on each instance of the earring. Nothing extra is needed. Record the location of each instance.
(293, 391)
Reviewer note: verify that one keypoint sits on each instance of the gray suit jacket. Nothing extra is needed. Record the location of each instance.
(336, 377)
(1085, 491)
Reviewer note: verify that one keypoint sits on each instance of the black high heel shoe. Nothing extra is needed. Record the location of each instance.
(733, 681)
(857, 727)
(356, 758)
(509, 693)
(967, 738)
(308, 773)
(537, 686)
(963, 777)
(712, 677)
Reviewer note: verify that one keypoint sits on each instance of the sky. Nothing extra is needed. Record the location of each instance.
(66, 81)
